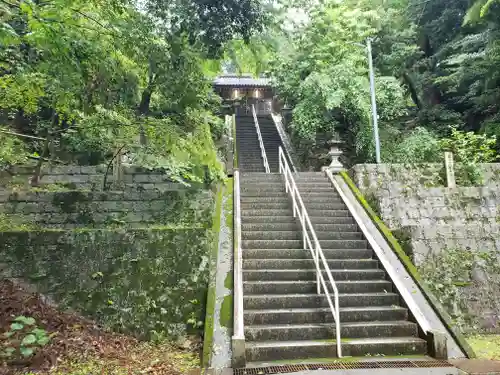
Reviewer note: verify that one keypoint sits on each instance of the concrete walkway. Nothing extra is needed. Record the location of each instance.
(221, 346)
(384, 371)
(477, 366)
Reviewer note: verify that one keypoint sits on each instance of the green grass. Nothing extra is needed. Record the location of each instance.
(210, 308)
(410, 267)
(486, 346)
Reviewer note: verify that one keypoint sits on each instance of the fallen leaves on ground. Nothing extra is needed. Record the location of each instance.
(81, 347)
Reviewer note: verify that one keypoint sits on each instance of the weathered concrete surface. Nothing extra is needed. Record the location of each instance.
(221, 347)
(477, 366)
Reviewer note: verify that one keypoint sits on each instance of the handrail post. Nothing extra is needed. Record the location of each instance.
(238, 339)
(318, 284)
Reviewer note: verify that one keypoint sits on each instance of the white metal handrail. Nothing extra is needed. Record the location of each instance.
(238, 264)
(310, 239)
(284, 141)
(261, 142)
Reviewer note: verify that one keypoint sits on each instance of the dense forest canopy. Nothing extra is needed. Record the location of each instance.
(437, 68)
(96, 76)
(91, 77)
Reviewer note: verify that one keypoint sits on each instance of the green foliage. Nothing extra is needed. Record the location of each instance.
(12, 151)
(325, 77)
(418, 146)
(431, 71)
(470, 149)
(23, 338)
(100, 76)
(452, 276)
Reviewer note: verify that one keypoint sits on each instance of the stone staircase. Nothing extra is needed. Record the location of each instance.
(272, 142)
(249, 157)
(284, 317)
(247, 145)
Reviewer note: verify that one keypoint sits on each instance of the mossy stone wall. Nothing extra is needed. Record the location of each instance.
(429, 217)
(90, 177)
(93, 209)
(146, 282)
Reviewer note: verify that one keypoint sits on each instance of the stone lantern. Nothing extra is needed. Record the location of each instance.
(335, 153)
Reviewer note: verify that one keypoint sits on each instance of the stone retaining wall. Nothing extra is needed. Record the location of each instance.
(73, 209)
(432, 221)
(145, 282)
(412, 199)
(91, 177)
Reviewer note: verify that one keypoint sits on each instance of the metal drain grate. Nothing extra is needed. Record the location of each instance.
(339, 366)
(428, 364)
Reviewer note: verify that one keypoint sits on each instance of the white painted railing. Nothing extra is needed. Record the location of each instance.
(261, 142)
(284, 139)
(311, 243)
(238, 338)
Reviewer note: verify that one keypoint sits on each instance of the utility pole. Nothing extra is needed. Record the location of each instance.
(374, 102)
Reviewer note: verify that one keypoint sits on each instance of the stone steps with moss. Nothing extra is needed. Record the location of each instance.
(285, 317)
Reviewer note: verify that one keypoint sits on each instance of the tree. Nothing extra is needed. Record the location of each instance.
(94, 77)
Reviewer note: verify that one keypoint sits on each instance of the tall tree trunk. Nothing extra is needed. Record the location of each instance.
(412, 89)
(145, 101)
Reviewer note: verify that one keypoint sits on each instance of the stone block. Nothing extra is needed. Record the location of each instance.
(157, 178)
(92, 170)
(142, 178)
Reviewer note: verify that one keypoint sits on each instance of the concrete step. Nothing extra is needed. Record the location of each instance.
(310, 274)
(260, 190)
(324, 205)
(316, 189)
(269, 264)
(307, 199)
(306, 254)
(302, 349)
(265, 205)
(258, 182)
(308, 186)
(282, 301)
(298, 287)
(262, 194)
(296, 244)
(322, 196)
(263, 219)
(289, 216)
(275, 227)
(332, 220)
(248, 177)
(318, 212)
(325, 331)
(297, 235)
(295, 226)
(324, 315)
(267, 212)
